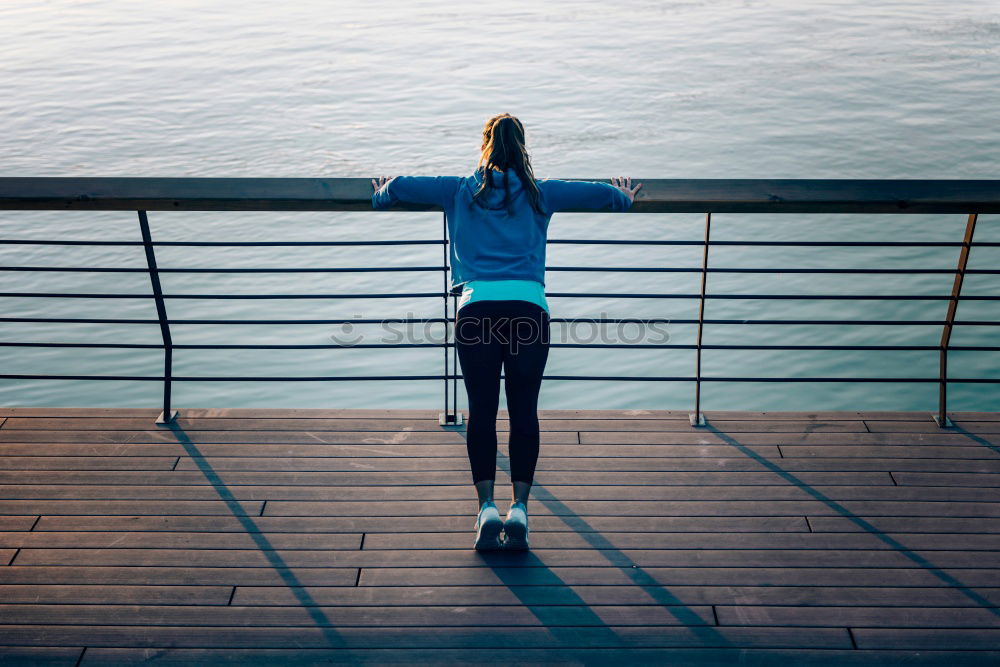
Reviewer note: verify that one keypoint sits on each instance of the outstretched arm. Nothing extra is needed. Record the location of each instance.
(593, 195)
(418, 189)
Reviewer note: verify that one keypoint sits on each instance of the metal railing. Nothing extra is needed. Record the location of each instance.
(968, 197)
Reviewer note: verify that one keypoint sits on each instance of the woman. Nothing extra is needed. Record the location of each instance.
(497, 221)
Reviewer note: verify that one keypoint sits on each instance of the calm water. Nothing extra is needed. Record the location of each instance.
(660, 89)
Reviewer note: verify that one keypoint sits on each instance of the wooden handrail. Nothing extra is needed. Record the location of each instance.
(657, 195)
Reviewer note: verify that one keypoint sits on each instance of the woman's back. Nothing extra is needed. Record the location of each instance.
(491, 240)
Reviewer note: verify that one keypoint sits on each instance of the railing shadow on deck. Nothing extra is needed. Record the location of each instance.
(286, 572)
(858, 521)
(978, 439)
(970, 198)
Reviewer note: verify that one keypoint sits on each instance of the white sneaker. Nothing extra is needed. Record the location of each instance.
(516, 527)
(488, 527)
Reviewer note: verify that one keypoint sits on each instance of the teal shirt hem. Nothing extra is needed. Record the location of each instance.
(499, 290)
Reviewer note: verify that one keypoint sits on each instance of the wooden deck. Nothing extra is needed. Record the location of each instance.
(321, 536)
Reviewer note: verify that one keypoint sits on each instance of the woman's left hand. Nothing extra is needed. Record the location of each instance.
(382, 180)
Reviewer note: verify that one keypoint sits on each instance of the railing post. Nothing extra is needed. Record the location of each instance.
(956, 293)
(450, 417)
(454, 362)
(696, 418)
(167, 415)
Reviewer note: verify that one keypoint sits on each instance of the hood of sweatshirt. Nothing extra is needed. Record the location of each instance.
(493, 197)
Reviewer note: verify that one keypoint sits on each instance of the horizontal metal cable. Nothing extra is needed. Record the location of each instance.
(96, 320)
(660, 269)
(228, 346)
(116, 269)
(791, 297)
(354, 295)
(628, 269)
(420, 320)
(392, 295)
(664, 346)
(332, 378)
(89, 242)
(705, 346)
(867, 244)
(875, 244)
(350, 295)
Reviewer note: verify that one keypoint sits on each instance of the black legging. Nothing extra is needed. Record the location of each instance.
(513, 333)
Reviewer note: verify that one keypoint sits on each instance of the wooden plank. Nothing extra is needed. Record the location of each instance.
(41, 655)
(312, 636)
(605, 465)
(444, 436)
(118, 594)
(87, 462)
(574, 508)
(909, 524)
(462, 524)
(17, 522)
(362, 413)
(798, 438)
(632, 414)
(806, 595)
(768, 415)
(456, 437)
(624, 464)
(939, 438)
(234, 413)
(429, 451)
(177, 575)
(540, 558)
(782, 426)
(340, 617)
(859, 617)
(388, 424)
(844, 439)
(6, 556)
(824, 415)
(565, 655)
(888, 464)
(902, 451)
(422, 451)
(431, 413)
(743, 462)
(620, 540)
(975, 416)
(991, 426)
(415, 480)
(721, 576)
(980, 639)
(948, 480)
(131, 507)
(465, 493)
(178, 540)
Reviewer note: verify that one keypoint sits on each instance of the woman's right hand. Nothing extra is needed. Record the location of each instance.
(624, 184)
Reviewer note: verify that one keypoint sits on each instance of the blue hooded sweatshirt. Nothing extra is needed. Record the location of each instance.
(487, 243)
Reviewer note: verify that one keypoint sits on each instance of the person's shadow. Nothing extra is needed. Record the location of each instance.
(568, 617)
